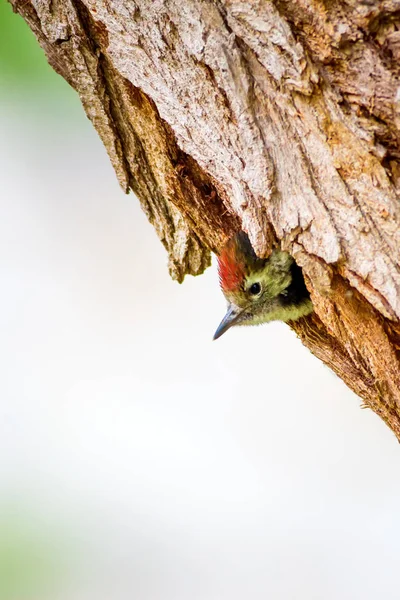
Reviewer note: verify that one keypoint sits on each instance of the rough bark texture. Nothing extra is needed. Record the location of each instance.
(281, 117)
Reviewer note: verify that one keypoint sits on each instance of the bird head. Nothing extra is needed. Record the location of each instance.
(259, 290)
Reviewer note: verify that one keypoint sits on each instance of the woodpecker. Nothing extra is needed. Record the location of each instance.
(259, 290)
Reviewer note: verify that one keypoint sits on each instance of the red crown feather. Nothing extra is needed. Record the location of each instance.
(230, 270)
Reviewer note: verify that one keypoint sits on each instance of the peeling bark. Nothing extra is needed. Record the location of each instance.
(279, 117)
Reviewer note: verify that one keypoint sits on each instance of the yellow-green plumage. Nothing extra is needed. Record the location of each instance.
(260, 290)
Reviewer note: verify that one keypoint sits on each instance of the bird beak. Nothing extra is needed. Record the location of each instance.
(232, 315)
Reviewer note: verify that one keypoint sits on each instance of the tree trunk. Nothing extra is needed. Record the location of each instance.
(280, 117)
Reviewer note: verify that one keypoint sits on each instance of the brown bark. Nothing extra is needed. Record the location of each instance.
(279, 117)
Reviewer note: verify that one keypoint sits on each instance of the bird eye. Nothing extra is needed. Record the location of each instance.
(255, 289)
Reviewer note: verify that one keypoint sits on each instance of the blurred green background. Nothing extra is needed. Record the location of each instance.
(22, 61)
(25, 75)
(31, 553)
(21, 58)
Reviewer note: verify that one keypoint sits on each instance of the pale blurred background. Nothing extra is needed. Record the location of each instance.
(139, 459)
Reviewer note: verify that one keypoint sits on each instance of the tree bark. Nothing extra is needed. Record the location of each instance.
(280, 117)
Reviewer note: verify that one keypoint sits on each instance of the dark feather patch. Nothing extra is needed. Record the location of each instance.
(297, 292)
